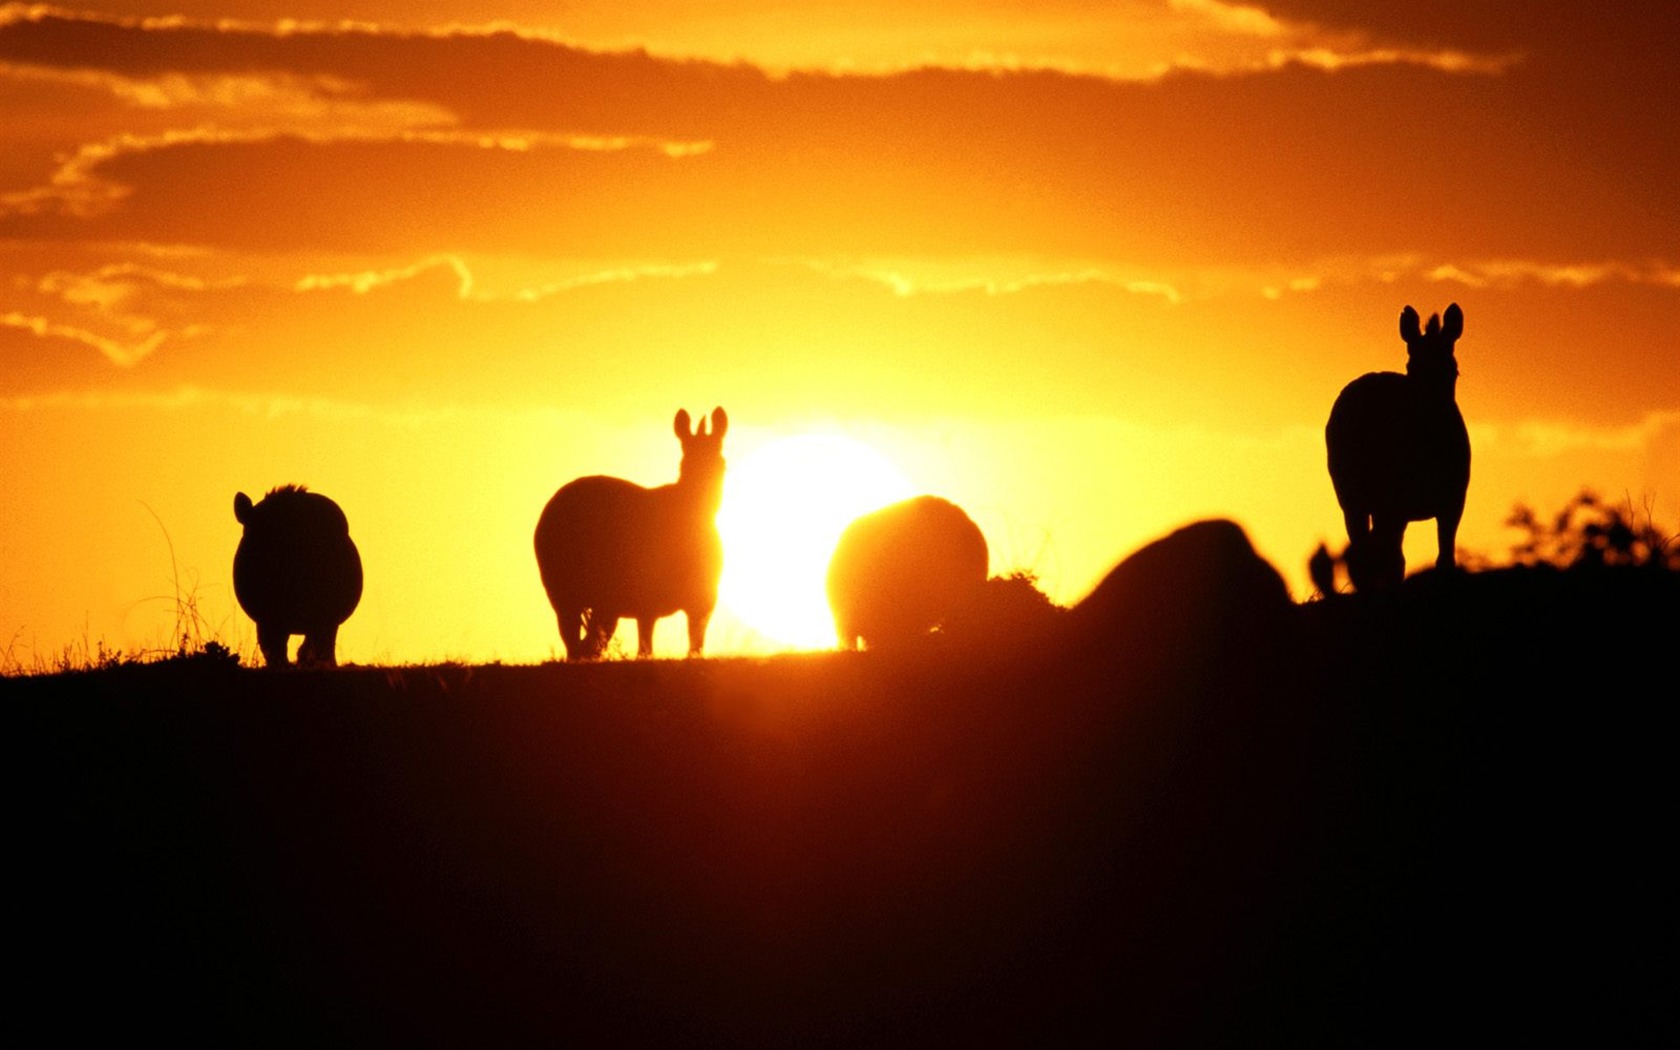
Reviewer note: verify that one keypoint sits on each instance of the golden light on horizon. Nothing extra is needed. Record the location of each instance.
(1090, 271)
(785, 505)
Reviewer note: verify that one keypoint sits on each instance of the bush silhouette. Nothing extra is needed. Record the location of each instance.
(1589, 532)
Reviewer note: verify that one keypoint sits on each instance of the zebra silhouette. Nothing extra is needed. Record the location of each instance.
(1399, 452)
(296, 572)
(608, 548)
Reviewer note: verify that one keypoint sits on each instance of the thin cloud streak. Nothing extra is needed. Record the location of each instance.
(1010, 276)
(1509, 274)
(420, 416)
(123, 354)
(366, 281)
(78, 189)
(275, 98)
(262, 406)
(905, 285)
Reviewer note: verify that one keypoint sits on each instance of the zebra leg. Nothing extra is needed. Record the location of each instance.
(1357, 555)
(598, 630)
(272, 642)
(697, 621)
(1446, 538)
(1386, 556)
(572, 630)
(1358, 525)
(319, 648)
(644, 635)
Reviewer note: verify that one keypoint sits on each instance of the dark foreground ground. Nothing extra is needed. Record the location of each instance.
(1443, 815)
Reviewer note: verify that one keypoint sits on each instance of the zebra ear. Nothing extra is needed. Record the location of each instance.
(681, 425)
(242, 507)
(720, 423)
(1454, 326)
(1409, 325)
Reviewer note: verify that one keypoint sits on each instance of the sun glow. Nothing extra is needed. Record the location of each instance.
(784, 508)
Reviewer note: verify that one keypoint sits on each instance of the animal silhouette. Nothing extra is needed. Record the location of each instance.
(608, 548)
(1196, 607)
(296, 572)
(1204, 574)
(1399, 452)
(900, 572)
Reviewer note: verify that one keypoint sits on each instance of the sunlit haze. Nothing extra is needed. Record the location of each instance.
(1089, 270)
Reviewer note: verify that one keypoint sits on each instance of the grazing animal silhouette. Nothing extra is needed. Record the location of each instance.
(1204, 572)
(296, 572)
(1198, 605)
(608, 548)
(1399, 452)
(899, 572)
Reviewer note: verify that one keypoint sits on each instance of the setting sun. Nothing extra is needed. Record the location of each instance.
(784, 508)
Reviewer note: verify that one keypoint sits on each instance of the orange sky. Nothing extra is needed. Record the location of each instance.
(1089, 269)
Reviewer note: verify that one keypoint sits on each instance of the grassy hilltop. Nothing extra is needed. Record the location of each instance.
(1363, 820)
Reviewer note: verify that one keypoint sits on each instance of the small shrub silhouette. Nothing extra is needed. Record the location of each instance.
(1007, 613)
(1591, 533)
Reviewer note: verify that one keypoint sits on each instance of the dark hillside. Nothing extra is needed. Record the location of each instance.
(1362, 820)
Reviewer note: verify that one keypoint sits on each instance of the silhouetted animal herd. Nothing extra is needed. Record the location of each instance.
(607, 548)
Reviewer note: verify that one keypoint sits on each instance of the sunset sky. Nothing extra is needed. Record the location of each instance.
(1089, 269)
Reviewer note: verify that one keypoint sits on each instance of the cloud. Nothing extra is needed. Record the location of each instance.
(928, 163)
(1127, 40)
(925, 277)
(1244, 19)
(1445, 61)
(617, 275)
(270, 406)
(1550, 437)
(1493, 275)
(1300, 160)
(1517, 273)
(125, 310)
(81, 186)
(112, 282)
(363, 282)
(368, 280)
(118, 352)
(268, 99)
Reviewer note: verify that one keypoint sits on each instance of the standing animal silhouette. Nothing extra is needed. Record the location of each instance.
(1399, 452)
(608, 548)
(296, 572)
(902, 571)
